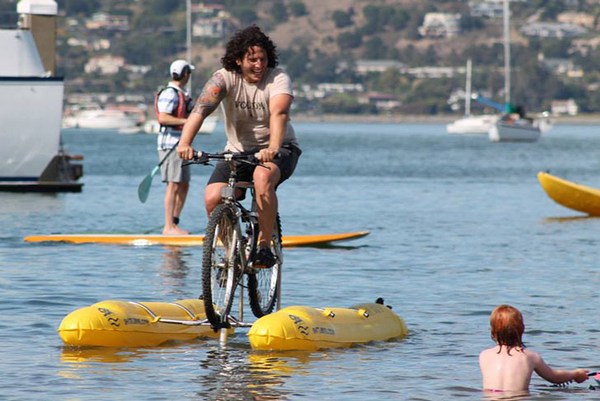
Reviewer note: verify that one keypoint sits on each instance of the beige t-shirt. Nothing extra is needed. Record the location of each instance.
(247, 109)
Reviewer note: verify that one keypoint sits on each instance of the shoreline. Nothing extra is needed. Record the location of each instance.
(591, 119)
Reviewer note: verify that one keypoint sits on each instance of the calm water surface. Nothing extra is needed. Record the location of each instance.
(458, 225)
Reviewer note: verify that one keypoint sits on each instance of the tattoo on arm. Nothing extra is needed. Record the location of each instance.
(212, 94)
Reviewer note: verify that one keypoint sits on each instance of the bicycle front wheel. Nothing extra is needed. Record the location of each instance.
(220, 265)
(264, 284)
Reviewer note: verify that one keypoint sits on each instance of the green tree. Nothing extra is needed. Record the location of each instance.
(297, 8)
(79, 7)
(349, 40)
(244, 11)
(279, 12)
(322, 67)
(375, 48)
(341, 19)
(343, 103)
(296, 62)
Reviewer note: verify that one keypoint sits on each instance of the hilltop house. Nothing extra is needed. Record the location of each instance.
(440, 25)
(105, 64)
(553, 30)
(568, 107)
(211, 21)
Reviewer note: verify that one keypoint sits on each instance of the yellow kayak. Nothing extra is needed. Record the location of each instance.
(571, 195)
(184, 240)
(134, 324)
(306, 328)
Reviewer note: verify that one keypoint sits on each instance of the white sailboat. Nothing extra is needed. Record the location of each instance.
(471, 124)
(514, 126)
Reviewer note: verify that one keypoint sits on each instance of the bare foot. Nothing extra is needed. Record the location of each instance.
(175, 231)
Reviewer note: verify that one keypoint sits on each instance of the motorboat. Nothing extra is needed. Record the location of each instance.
(98, 118)
(208, 126)
(32, 157)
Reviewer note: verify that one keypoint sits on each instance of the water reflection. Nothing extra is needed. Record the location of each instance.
(32, 202)
(174, 268)
(569, 219)
(76, 363)
(82, 357)
(238, 374)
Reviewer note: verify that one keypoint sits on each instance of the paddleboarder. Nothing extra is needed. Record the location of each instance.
(173, 105)
(508, 366)
(256, 96)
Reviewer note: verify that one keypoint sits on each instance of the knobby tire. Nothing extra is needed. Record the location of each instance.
(263, 284)
(220, 265)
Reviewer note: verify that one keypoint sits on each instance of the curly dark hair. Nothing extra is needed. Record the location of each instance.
(238, 46)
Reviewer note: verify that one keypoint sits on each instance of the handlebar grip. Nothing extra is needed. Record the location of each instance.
(200, 157)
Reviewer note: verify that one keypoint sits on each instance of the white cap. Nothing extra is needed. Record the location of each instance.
(177, 66)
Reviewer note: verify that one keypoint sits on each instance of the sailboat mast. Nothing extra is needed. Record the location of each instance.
(468, 90)
(188, 37)
(506, 54)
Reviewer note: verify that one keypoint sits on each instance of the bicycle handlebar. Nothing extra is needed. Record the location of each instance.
(204, 157)
(244, 157)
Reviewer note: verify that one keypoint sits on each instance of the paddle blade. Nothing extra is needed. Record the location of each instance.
(144, 187)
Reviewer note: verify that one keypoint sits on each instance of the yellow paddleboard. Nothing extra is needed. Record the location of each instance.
(184, 240)
(571, 195)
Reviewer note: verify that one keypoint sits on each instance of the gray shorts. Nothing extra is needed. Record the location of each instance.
(173, 170)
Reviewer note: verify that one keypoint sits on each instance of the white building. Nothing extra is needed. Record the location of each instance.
(440, 25)
(568, 107)
(363, 67)
(105, 65)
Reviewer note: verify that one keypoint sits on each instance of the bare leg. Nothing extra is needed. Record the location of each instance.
(212, 196)
(180, 197)
(265, 182)
(170, 201)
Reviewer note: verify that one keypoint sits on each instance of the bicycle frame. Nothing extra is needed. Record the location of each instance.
(228, 251)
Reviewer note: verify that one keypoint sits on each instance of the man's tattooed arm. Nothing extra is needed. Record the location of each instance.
(212, 94)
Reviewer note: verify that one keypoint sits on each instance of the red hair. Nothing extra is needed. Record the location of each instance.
(507, 327)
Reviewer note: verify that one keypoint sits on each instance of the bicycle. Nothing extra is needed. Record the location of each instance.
(229, 246)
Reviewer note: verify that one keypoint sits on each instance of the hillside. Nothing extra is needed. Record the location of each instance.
(315, 42)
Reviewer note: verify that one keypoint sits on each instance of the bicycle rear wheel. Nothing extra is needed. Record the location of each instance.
(263, 284)
(220, 265)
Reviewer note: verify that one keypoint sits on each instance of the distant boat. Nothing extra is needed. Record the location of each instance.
(103, 119)
(514, 126)
(520, 130)
(471, 124)
(208, 126)
(31, 99)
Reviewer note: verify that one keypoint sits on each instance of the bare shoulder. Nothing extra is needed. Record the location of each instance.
(486, 353)
(532, 356)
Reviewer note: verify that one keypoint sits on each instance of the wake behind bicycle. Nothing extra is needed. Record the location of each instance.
(229, 248)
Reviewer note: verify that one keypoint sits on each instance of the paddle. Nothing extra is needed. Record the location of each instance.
(144, 187)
